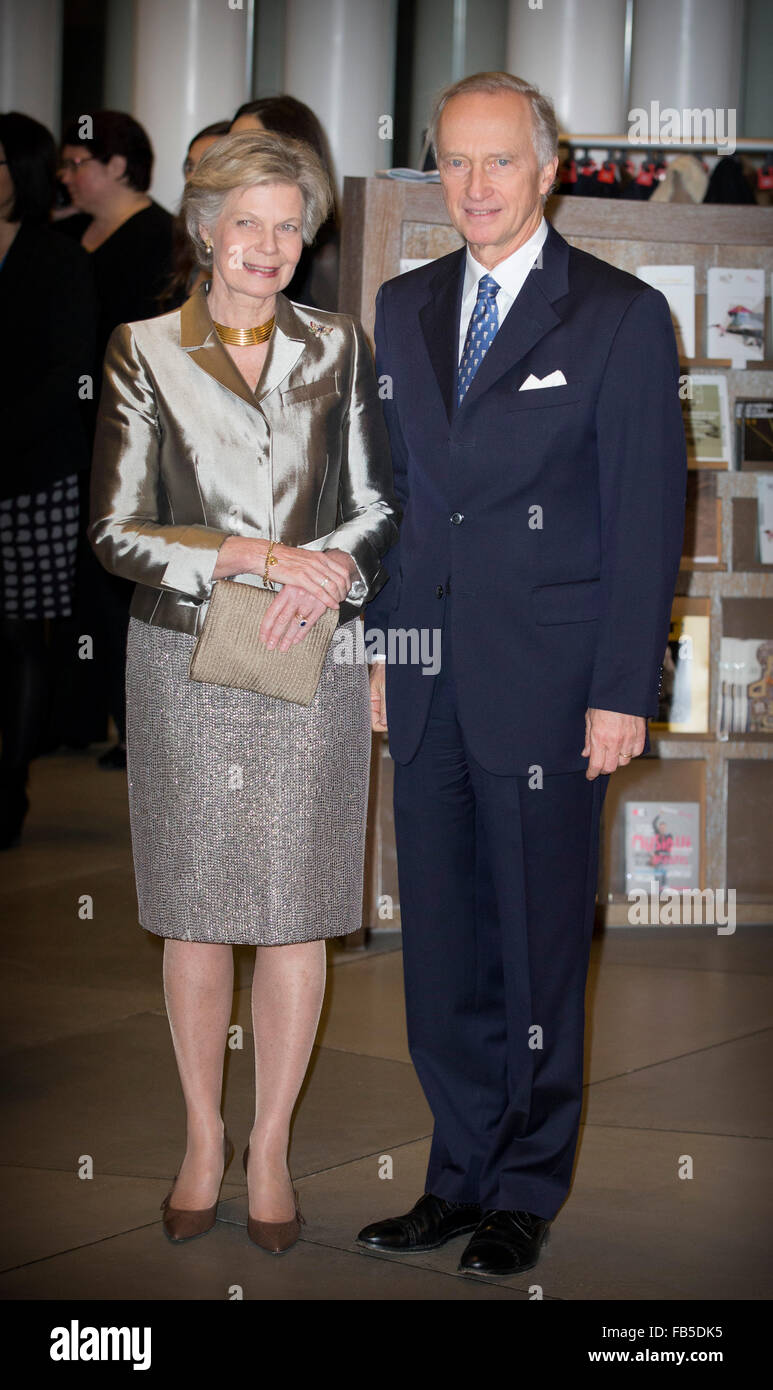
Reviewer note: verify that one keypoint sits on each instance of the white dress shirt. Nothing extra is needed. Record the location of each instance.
(509, 275)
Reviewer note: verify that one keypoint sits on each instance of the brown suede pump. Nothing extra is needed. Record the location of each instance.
(274, 1236)
(180, 1224)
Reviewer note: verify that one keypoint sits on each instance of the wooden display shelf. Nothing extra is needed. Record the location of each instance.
(673, 736)
(691, 364)
(759, 736)
(386, 222)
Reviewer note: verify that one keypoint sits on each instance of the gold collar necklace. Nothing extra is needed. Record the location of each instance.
(245, 337)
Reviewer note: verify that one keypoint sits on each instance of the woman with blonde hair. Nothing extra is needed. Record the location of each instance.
(242, 436)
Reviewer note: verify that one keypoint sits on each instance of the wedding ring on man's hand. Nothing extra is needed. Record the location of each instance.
(301, 620)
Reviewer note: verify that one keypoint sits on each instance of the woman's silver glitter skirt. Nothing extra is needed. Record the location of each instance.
(247, 813)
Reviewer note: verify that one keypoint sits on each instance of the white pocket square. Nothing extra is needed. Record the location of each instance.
(532, 382)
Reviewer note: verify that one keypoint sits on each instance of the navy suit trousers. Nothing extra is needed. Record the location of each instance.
(497, 882)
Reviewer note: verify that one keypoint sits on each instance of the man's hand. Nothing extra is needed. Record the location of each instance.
(378, 719)
(611, 740)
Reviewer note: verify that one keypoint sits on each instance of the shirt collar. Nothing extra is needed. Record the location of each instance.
(511, 272)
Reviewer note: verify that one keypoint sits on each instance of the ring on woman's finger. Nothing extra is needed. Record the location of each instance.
(324, 583)
(301, 620)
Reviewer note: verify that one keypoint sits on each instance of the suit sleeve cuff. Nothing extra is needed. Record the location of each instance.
(193, 559)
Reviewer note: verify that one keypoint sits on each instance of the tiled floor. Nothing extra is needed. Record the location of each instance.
(679, 1059)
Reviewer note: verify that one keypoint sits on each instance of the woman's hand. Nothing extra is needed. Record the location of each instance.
(323, 574)
(342, 557)
(326, 575)
(280, 627)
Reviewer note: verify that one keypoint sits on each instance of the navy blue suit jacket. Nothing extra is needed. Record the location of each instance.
(560, 573)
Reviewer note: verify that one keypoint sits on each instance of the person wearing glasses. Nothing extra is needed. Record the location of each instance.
(106, 168)
(107, 175)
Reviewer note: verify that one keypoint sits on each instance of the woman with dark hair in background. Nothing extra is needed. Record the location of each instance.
(107, 176)
(48, 312)
(187, 274)
(106, 169)
(315, 282)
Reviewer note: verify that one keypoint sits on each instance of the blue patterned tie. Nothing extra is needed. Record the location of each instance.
(484, 323)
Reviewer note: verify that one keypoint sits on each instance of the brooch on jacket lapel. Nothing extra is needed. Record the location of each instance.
(319, 328)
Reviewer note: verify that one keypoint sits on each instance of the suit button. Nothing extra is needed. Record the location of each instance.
(457, 519)
(439, 591)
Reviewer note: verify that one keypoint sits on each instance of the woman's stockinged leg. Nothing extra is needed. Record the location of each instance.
(287, 992)
(198, 987)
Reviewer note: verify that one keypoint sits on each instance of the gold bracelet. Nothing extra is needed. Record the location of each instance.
(270, 560)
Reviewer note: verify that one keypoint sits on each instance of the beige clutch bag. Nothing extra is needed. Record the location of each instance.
(230, 652)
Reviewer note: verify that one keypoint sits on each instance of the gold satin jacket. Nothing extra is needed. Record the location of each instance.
(186, 455)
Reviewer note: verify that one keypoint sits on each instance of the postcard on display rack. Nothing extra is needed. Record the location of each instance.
(677, 283)
(765, 519)
(702, 520)
(662, 844)
(735, 314)
(754, 435)
(745, 686)
(684, 695)
(707, 419)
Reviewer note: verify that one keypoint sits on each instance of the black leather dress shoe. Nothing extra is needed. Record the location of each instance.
(505, 1242)
(429, 1224)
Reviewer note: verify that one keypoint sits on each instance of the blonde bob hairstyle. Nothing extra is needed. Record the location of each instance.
(248, 160)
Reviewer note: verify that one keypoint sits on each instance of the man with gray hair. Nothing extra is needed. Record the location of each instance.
(540, 461)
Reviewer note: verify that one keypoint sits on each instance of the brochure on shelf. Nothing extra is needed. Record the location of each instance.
(662, 843)
(677, 283)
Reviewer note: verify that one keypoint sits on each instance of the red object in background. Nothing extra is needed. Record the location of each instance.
(607, 172)
(765, 175)
(646, 175)
(567, 173)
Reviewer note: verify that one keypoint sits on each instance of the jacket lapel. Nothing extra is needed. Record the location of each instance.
(528, 319)
(439, 320)
(284, 347)
(200, 341)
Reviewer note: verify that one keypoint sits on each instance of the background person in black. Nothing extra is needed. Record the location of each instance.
(315, 282)
(48, 316)
(187, 274)
(128, 234)
(129, 237)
